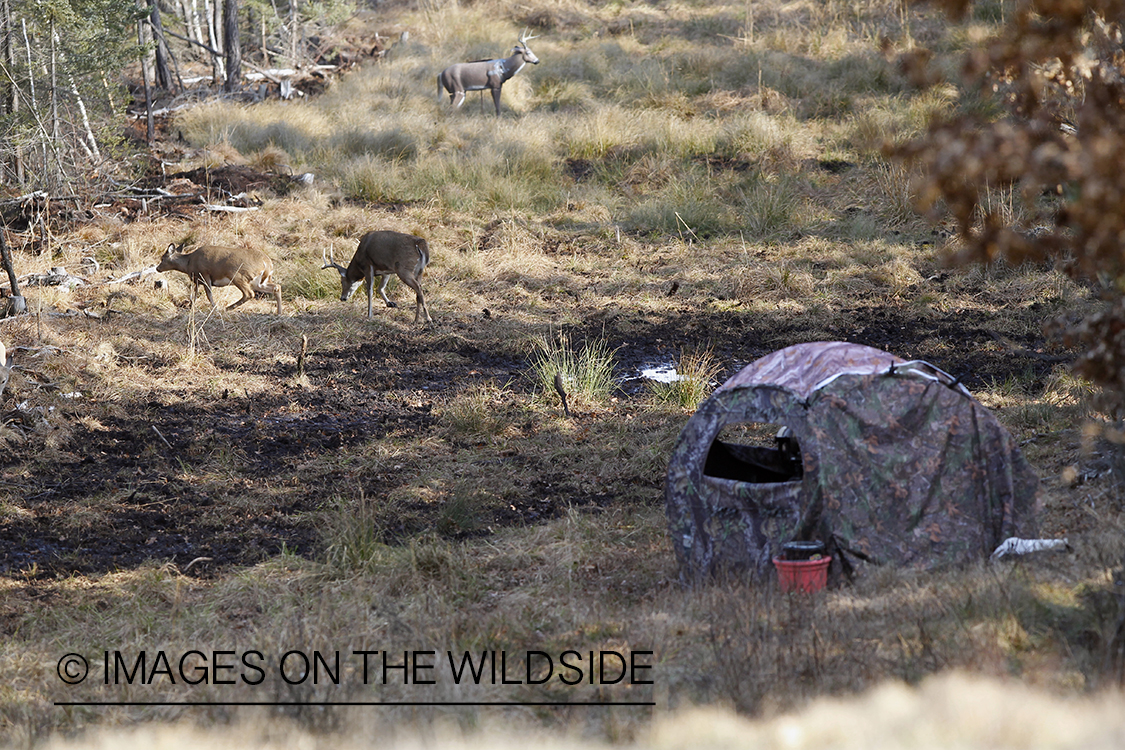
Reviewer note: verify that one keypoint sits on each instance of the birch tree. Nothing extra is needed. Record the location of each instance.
(56, 73)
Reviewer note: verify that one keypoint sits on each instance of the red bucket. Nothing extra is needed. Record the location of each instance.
(807, 576)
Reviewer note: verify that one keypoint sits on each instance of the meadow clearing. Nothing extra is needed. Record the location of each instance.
(675, 183)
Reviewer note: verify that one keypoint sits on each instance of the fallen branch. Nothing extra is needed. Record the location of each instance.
(17, 305)
(57, 276)
(161, 436)
(134, 276)
(193, 562)
(229, 209)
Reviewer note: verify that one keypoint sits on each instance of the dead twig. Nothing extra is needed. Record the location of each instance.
(161, 436)
(562, 392)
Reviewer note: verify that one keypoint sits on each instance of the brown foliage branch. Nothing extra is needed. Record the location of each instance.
(1056, 69)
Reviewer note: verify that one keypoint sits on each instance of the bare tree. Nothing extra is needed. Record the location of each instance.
(11, 91)
(191, 20)
(162, 53)
(232, 44)
(214, 33)
(144, 37)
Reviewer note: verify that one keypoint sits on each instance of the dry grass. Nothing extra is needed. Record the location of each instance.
(695, 379)
(623, 192)
(943, 712)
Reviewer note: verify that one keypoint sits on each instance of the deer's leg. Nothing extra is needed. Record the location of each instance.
(265, 286)
(195, 282)
(370, 287)
(207, 288)
(496, 99)
(419, 299)
(383, 289)
(247, 293)
(457, 98)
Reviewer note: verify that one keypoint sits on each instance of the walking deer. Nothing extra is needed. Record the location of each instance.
(485, 74)
(247, 268)
(381, 254)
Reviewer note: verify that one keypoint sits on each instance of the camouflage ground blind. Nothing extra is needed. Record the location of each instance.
(898, 465)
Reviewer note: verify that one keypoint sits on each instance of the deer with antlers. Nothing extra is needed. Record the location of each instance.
(485, 74)
(381, 254)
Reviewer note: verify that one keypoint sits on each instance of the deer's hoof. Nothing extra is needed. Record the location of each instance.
(391, 303)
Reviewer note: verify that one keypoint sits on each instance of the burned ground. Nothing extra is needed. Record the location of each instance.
(135, 471)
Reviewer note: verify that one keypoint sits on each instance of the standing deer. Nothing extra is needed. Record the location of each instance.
(485, 74)
(212, 265)
(5, 368)
(382, 253)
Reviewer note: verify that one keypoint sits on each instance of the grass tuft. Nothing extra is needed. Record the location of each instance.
(696, 373)
(480, 411)
(587, 373)
(353, 538)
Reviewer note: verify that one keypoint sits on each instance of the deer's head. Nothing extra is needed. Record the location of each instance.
(521, 46)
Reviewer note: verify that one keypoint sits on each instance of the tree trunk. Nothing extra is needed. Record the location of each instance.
(30, 78)
(233, 45)
(34, 100)
(218, 74)
(190, 11)
(162, 40)
(144, 36)
(18, 304)
(90, 144)
(293, 33)
(11, 100)
(55, 136)
(196, 24)
(11, 91)
(54, 88)
(265, 50)
(163, 74)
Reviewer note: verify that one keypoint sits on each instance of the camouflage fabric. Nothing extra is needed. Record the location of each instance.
(900, 466)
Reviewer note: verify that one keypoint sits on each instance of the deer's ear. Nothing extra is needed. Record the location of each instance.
(171, 247)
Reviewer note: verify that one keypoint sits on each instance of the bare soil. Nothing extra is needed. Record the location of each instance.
(139, 461)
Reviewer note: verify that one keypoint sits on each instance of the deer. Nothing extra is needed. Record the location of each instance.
(5, 368)
(247, 268)
(382, 253)
(485, 74)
